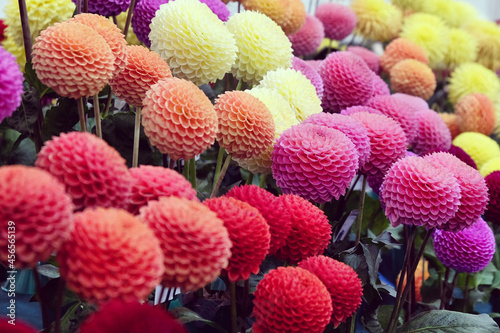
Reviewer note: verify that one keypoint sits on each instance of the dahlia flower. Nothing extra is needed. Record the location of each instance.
(144, 12)
(379, 86)
(475, 113)
(360, 108)
(107, 7)
(301, 66)
(11, 81)
(487, 35)
(277, 10)
(416, 103)
(338, 20)
(492, 213)
(432, 133)
(462, 48)
(413, 78)
(2, 30)
(296, 19)
(370, 57)
(401, 49)
(377, 19)
(453, 13)
(479, 147)
(471, 78)
(451, 121)
(490, 166)
(308, 38)
(462, 156)
(17, 51)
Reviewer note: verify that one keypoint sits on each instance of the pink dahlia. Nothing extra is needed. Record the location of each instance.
(432, 133)
(315, 64)
(94, 172)
(347, 80)
(375, 182)
(302, 67)
(354, 130)
(416, 103)
(310, 233)
(462, 155)
(144, 12)
(151, 182)
(270, 207)
(11, 84)
(472, 188)
(19, 327)
(315, 162)
(308, 39)
(379, 86)
(492, 213)
(339, 21)
(291, 299)
(417, 193)
(107, 7)
(360, 108)
(469, 250)
(370, 57)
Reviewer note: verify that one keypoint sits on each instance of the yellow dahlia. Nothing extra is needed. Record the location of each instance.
(488, 37)
(480, 147)
(131, 37)
(193, 41)
(430, 32)
(471, 78)
(453, 13)
(17, 51)
(462, 48)
(377, 19)
(409, 5)
(490, 166)
(262, 46)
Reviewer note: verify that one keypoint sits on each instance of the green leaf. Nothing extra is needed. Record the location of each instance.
(60, 118)
(23, 119)
(185, 316)
(443, 321)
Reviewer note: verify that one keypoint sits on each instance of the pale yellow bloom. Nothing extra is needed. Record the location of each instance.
(377, 20)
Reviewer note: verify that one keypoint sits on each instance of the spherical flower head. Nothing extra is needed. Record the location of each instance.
(297, 17)
(310, 230)
(430, 33)
(178, 118)
(432, 133)
(262, 46)
(472, 188)
(454, 13)
(144, 12)
(2, 30)
(194, 241)
(296, 88)
(379, 86)
(45, 219)
(131, 317)
(469, 250)
(73, 59)
(476, 113)
(107, 7)
(490, 166)
(315, 64)
(277, 10)
(308, 38)
(193, 41)
(354, 130)
(347, 79)
(462, 156)
(401, 49)
(111, 34)
(487, 35)
(413, 78)
(301, 66)
(249, 233)
(370, 57)
(417, 193)
(479, 147)
(339, 20)
(110, 254)
(492, 213)
(246, 126)
(19, 327)
(471, 78)
(152, 182)
(17, 51)
(463, 48)
(451, 120)
(342, 283)
(316, 162)
(360, 108)
(93, 172)
(387, 142)
(291, 298)
(11, 81)
(377, 20)
(416, 103)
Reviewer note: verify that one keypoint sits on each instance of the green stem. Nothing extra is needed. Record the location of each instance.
(81, 114)
(249, 179)
(444, 290)
(45, 317)
(129, 17)
(238, 86)
(234, 313)
(60, 294)
(360, 214)
(220, 159)
(349, 192)
(452, 287)
(97, 115)
(137, 136)
(243, 314)
(108, 102)
(263, 181)
(221, 176)
(322, 206)
(192, 172)
(352, 328)
(466, 292)
(185, 171)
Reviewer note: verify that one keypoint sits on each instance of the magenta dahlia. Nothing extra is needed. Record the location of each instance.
(301, 66)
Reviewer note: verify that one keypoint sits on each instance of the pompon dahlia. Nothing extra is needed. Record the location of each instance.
(301, 66)
(272, 210)
(492, 213)
(249, 233)
(338, 20)
(377, 19)
(297, 17)
(193, 239)
(246, 126)
(360, 108)
(473, 189)
(342, 283)
(347, 80)
(107, 7)
(471, 78)
(308, 38)
(110, 254)
(432, 133)
(262, 46)
(469, 250)
(178, 118)
(479, 147)
(144, 68)
(451, 121)
(2, 30)
(41, 210)
(351, 127)
(413, 78)
(19, 327)
(398, 110)
(416, 103)
(131, 317)
(310, 230)
(111, 34)
(144, 12)
(73, 59)
(379, 86)
(370, 57)
(417, 193)
(277, 10)
(475, 113)
(152, 182)
(193, 41)
(462, 156)
(291, 299)
(453, 13)
(316, 162)
(487, 35)
(387, 142)
(17, 51)
(462, 48)
(401, 49)
(315, 64)
(296, 88)
(11, 83)
(490, 166)
(94, 172)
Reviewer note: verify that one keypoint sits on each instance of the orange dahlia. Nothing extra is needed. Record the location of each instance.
(73, 59)
(451, 121)
(414, 78)
(246, 126)
(401, 49)
(475, 113)
(277, 10)
(296, 19)
(178, 118)
(110, 254)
